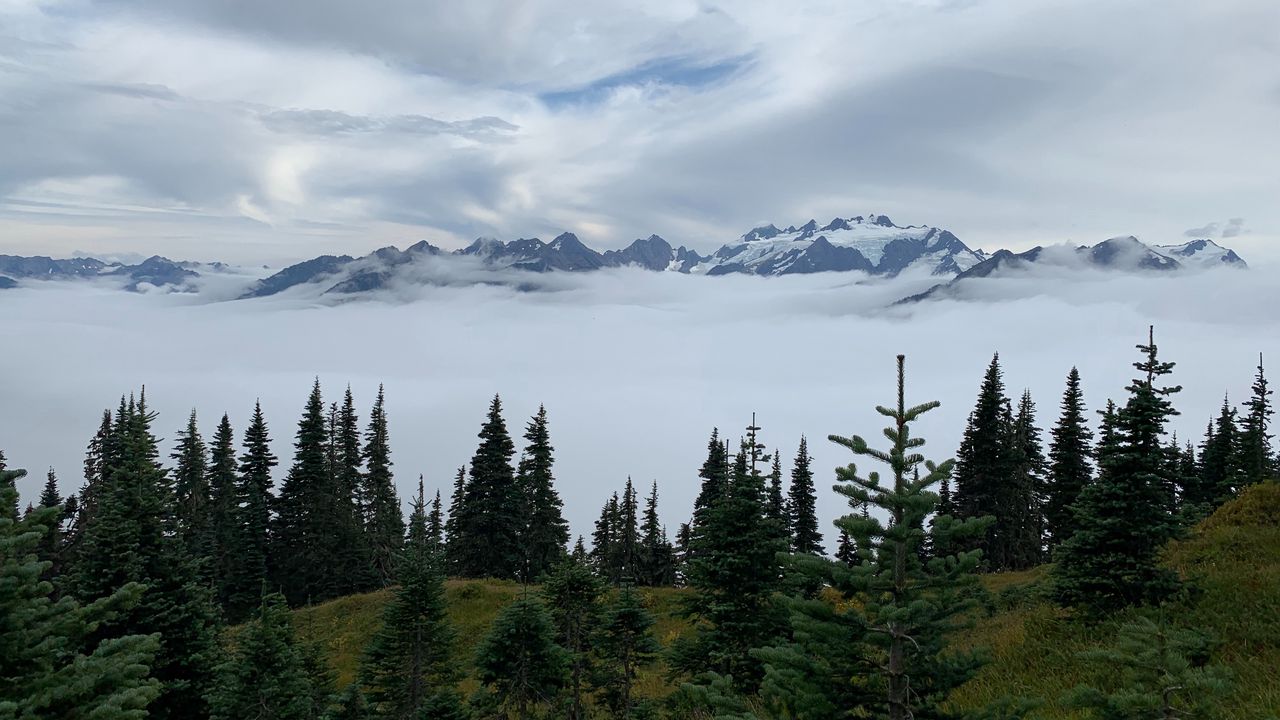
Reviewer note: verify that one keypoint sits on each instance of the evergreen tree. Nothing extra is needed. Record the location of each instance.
(625, 644)
(1122, 519)
(1026, 497)
(354, 565)
(657, 557)
(1222, 474)
(845, 550)
(802, 505)
(132, 537)
(223, 515)
(50, 548)
(452, 530)
(519, 660)
(435, 523)
(604, 541)
(1156, 675)
(579, 553)
(490, 522)
(775, 504)
(408, 664)
(1070, 469)
(882, 651)
(1256, 457)
(51, 665)
(986, 482)
(249, 552)
(572, 593)
(301, 549)
(545, 533)
(715, 480)
(735, 572)
(191, 486)
(93, 479)
(266, 675)
(626, 545)
(384, 523)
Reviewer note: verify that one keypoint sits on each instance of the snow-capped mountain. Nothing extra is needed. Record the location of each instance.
(1202, 254)
(155, 271)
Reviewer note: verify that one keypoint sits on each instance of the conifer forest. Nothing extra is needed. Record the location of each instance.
(1072, 558)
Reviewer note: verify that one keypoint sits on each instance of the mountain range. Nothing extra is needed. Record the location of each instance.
(871, 244)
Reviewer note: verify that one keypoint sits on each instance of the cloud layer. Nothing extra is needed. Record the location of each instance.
(279, 130)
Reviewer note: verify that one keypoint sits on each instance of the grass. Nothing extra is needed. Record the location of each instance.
(1230, 561)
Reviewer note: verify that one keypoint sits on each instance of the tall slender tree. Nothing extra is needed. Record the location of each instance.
(51, 545)
(1256, 456)
(985, 474)
(657, 557)
(191, 485)
(300, 551)
(775, 503)
(802, 505)
(604, 541)
(545, 534)
(489, 523)
(1221, 472)
(225, 532)
(1026, 497)
(452, 526)
(251, 552)
(1070, 468)
(384, 523)
(435, 522)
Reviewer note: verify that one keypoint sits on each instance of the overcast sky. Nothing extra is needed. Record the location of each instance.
(279, 130)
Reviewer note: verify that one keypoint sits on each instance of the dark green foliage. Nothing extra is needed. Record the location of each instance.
(1026, 494)
(735, 572)
(845, 550)
(572, 593)
(1222, 471)
(604, 541)
(775, 504)
(452, 526)
(626, 540)
(1256, 458)
(625, 644)
(715, 480)
(519, 660)
(225, 534)
(351, 564)
(383, 522)
(545, 532)
(300, 555)
(435, 523)
(490, 518)
(802, 505)
(191, 488)
(50, 664)
(51, 545)
(882, 653)
(250, 552)
(1122, 519)
(657, 562)
(1070, 469)
(1158, 672)
(409, 661)
(266, 675)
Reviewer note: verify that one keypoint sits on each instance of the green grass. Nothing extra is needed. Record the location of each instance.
(1232, 562)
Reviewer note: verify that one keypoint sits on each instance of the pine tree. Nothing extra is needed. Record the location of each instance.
(519, 660)
(545, 533)
(896, 610)
(604, 541)
(1026, 497)
(384, 523)
(299, 550)
(775, 504)
(845, 550)
(225, 534)
(625, 644)
(191, 486)
(579, 553)
(715, 480)
(353, 564)
(93, 478)
(1122, 518)
(266, 675)
(572, 594)
(408, 664)
(1222, 472)
(453, 549)
(986, 482)
(250, 551)
(50, 548)
(132, 538)
(435, 523)
(626, 545)
(1256, 457)
(51, 665)
(1070, 469)
(657, 557)
(802, 505)
(489, 523)
(735, 572)
(1155, 675)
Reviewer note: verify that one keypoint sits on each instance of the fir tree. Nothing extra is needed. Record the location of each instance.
(266, 675)
(896, 611)
(572, 593)
(775, 504)
(300, 553)
(604, 541)
(51, 664)
(50, 549)
(1122, 519)
(435, 522)
(1026, 497)
(191, 486)
(845, 550)
(93, 478)
(490, 522)
(986, 482)
(1256, 457)
(1222, 474)
(802, 505)
(657, 557)
(545, 533)
(626, 545)
(408, 664)
(579, 553)
(519, 660)
(384, 523)
(715, 480)
(249, 552)
(452, 530)
(1070, 469)
(224, 532)
(625, 644)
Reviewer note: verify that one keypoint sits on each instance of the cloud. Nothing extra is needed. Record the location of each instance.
(1234, 227)
(1199, 232)
(332, 122)
(635, 368)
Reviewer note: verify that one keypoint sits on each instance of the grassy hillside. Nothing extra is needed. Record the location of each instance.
(1232, 560)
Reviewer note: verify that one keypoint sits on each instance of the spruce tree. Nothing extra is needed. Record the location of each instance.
(353, 563)
(715, 480)
(604, 541)
(519, 660)
(1256, 457)
(802, 505)
(266, 675)
(384, 523)
(435, 523)
(775, 504)
(882, 651)
(453, 549)
(545, 533)
(489, 524)
(1122, 518)
(657, 557)
(250, 553)
(986, 482)
(1026, 496)
(626, 545)
(1070, 469)
(409, 663)
(572, 594)
(93, 479)
(225, 533)
(51, 663)
(625, 644)
(1222, 472)
(191, 487)
(299, 548)
(51, 545)
(845, 550)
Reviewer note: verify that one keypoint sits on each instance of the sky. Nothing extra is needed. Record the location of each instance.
(635, 368)
(276, 131)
